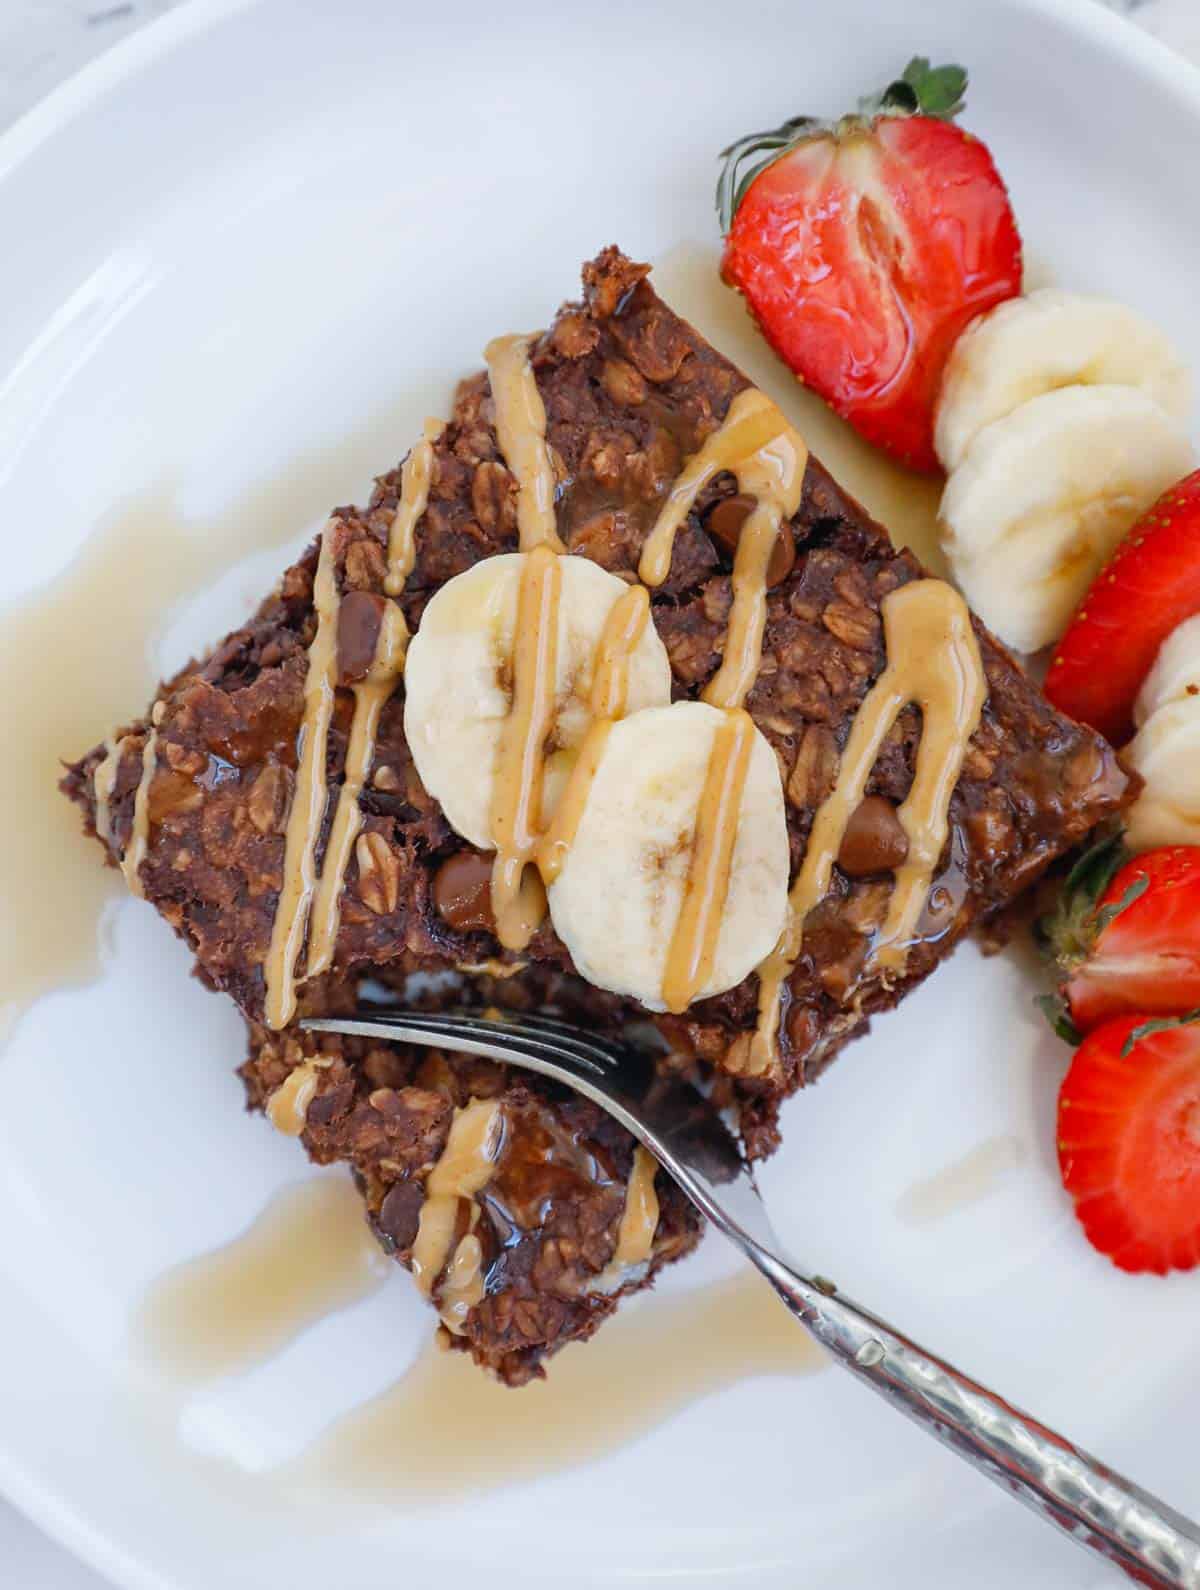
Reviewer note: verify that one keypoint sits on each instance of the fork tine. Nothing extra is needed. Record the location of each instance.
(592, 1049)
(494, 1040)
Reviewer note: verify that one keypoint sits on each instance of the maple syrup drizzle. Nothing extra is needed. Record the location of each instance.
(371, 695)
(416, 477)
(934, 663)
(768, 457)
(693, 945)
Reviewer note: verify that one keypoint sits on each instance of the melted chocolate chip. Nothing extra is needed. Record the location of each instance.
(399, 1213)
(874, 840)
(462, 892)
(360, 616)
(724, 523)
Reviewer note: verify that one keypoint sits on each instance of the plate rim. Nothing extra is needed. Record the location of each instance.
(121, 64)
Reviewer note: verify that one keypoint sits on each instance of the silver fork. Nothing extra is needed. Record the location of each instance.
(1097, 1507)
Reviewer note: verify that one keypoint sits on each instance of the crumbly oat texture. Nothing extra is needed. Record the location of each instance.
(630, 390)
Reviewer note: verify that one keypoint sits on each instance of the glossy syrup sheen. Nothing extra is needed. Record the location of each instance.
(77, 656)
(444, 1428)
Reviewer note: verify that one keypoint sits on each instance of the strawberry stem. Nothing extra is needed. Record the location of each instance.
(920, 90)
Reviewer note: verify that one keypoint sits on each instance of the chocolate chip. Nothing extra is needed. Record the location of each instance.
(359, 618)
(874, 840)
(803, 1029)
(326, 1107)
(399, 1213)
(462, 892)
(724, 523)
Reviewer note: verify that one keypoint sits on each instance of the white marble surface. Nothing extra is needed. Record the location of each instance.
(42, 42)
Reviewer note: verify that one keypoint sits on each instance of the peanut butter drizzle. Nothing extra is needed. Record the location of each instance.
(308, 801)
(415, 478)
(139, 836)
(304, 895)
(287, 1108)
(518, 899)
(464, 1170)
(619, 639)
(521, 429)
(694, 942)
(768, 457)
(639, 1222)
(934, 663)
(104, 781)
(371, 695)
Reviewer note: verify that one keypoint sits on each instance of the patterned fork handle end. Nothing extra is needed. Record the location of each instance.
(1151, 1542)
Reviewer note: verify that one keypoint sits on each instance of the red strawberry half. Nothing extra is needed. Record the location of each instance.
(865, 246)
(1126, 936)
(1129, 1141)
(1151, 584)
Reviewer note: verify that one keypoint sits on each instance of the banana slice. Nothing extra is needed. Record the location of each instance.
(1166, 748)
(1166, 752)
(1044, 495)
(458, 681)
(616, 903)
(1046, 340)
(1175, 675)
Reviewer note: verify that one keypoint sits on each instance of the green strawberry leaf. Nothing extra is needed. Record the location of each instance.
(1159, 1024)
(1066, 934)
(1054, 1008)
(920, 90)
(1110, 913)
(940, 90)
(1098, 866)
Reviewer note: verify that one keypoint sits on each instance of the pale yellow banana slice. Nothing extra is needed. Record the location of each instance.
(458, 681)
(1176, 672)
(1042, 497)
(1166, 748)
(1047, 340)
(617, 900)
(1166, 752)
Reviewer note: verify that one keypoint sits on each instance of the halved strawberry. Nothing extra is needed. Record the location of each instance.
(1129, 1141)
(864, 247)
(1126, 936)
(1149, 585)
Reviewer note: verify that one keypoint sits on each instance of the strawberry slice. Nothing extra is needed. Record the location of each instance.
(865, 246)
(1129, 1141)
(1126, 936)
(1149, 585)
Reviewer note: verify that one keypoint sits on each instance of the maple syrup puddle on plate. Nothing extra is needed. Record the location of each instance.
(445, 1428)
(965, 1181)
(94, 627)
(307, 1255)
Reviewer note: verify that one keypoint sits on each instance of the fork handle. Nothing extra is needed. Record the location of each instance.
(1098, 1508)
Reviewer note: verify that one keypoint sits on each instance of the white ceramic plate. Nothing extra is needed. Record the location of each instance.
(262, 240)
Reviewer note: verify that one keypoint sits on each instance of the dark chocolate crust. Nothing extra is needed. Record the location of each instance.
(629, 390)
